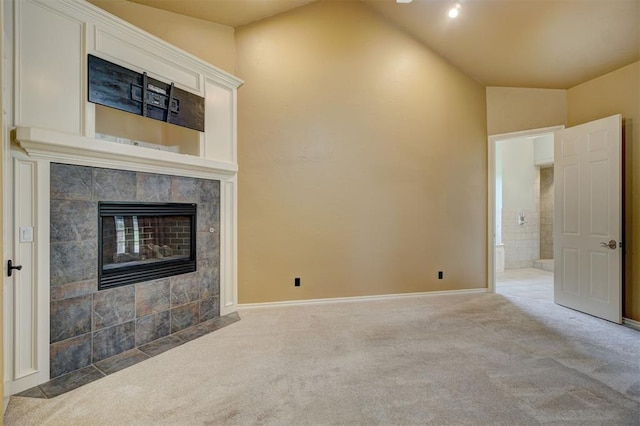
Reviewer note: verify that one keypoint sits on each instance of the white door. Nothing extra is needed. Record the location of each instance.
(588, 218)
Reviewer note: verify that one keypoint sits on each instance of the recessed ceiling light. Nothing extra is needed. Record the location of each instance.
(454, 11)
(404, 1)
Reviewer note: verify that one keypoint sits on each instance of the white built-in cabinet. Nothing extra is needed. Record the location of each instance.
(53, 39)
(50, 120)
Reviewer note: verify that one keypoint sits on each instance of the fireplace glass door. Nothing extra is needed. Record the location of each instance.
(145, 241)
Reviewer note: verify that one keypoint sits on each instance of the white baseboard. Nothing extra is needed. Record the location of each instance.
(631, 323)
(359, 298)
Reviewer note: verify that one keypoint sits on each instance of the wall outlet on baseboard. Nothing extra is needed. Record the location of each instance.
(296, 281)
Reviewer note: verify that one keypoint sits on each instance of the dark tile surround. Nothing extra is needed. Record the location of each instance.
(89, 326)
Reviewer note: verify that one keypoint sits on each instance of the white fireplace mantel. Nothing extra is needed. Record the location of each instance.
(75, 149)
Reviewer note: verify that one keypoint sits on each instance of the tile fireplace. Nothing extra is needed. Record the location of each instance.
(91, 321)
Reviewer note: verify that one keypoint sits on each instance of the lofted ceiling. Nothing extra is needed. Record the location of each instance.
(514, 43)
(233, 13)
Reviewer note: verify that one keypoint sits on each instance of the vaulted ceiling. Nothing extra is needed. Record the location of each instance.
(515, 43)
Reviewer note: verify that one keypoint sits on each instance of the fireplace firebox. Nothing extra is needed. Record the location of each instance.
(145, 241)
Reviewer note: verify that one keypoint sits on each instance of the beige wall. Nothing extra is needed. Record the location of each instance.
(211, 42)
(362, 160)
(618, 93)
(512, 109)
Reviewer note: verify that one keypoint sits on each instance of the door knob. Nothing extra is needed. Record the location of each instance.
(10, 267)
(611, 244)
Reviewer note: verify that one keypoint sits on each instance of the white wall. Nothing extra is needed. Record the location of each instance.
(543, 150)
(520, 194)
(519, 174)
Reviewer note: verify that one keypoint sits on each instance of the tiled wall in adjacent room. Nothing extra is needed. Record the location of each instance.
(521, 241)
(88, 325)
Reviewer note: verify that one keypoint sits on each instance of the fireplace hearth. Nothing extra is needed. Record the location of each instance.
(145, 241)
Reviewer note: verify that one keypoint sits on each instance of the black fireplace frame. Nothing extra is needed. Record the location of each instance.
(145, 272)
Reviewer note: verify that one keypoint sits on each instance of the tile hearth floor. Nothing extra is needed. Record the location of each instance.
(103, 368)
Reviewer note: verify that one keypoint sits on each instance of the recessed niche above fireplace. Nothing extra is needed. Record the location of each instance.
(145, 241)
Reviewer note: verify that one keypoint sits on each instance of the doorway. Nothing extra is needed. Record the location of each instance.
(588, 206)
(521, 213)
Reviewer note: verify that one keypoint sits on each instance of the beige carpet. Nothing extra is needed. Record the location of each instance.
(479, 359)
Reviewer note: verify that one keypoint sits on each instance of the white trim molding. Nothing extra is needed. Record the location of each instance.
(75, 149)
(354, 299)
(631, 323)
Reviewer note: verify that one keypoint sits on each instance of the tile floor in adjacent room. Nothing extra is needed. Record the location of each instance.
(529, 283)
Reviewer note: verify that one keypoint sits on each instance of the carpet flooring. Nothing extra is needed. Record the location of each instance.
(469, 359)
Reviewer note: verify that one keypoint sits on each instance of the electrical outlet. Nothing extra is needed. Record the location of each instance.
(296, 281)
(440, 275)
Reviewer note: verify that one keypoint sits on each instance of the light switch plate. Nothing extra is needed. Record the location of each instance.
(26, 234)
